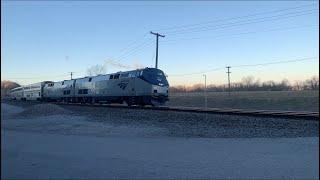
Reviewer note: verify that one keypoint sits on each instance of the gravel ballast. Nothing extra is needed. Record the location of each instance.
(104, 121)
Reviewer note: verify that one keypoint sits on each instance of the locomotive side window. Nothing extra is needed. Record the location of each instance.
(124, 75)
(90, 79)
(111, 77)
(66, 92)
(116, 76)
(132, 74)
(83, 91)
(62, 82)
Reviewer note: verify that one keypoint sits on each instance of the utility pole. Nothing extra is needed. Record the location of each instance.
(205, 91)
(228, 72)
(71, 73)
(157, 34)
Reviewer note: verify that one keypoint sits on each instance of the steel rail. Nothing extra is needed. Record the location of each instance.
(227, 111)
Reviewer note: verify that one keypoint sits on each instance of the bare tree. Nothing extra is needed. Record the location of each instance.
(248, 81)
(6, 86)
(298, 85)
(250, 84)
(284, 85)
(312, 83)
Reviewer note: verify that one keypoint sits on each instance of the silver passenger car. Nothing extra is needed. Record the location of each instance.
(32, 91)
(56, 91)
(29, 92)
(17, 93)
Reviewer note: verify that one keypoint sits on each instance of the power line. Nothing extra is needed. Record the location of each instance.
(133, 42)
(226, 25)
(239, 17)
(137, 49)
(276, 62)
(117, 61)
(201, 72)
(144, 43)
(249, 65)
(243, 22)
(237, 34)
(127, 51)
(216, 69)
(138, 46)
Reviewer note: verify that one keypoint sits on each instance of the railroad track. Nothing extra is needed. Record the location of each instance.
(245, 112)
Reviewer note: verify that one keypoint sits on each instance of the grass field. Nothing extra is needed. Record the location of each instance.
(267, 100)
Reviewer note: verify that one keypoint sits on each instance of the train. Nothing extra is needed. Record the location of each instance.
(147, 86)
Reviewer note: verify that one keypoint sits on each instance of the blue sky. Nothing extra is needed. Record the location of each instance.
(46, 40)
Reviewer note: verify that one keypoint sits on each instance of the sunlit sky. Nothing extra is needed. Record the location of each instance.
(46, 40)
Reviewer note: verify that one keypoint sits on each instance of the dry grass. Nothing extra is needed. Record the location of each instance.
(269, 100)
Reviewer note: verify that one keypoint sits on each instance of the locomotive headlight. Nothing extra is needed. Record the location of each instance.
(155, 90)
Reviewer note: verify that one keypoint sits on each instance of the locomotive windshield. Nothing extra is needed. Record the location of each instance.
(154, 76)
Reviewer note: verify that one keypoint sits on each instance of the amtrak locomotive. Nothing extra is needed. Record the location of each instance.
(148, 86)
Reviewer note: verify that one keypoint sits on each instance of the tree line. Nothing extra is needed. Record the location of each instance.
(249, 83)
